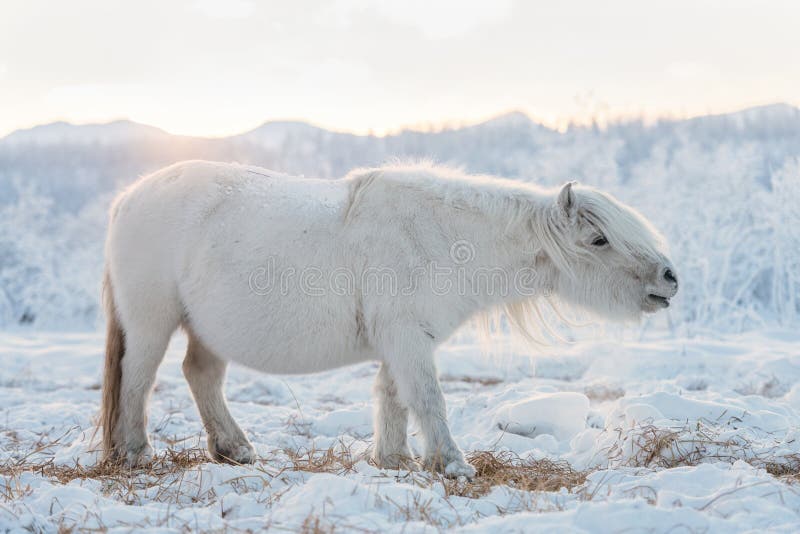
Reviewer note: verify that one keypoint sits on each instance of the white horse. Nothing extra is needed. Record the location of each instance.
(296, 275)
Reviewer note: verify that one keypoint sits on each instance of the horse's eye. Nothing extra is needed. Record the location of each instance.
(600, 241)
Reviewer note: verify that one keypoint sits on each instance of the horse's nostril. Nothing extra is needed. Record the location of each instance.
(669, 276)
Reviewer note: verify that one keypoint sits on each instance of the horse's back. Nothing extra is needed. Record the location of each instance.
(201, 237)
(174, 210)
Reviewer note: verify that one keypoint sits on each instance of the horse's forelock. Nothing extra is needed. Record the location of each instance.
(625, 229)
(554, 238)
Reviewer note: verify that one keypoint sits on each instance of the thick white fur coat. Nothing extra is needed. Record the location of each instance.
(296, 275)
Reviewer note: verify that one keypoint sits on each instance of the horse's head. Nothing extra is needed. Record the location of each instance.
(608, 258)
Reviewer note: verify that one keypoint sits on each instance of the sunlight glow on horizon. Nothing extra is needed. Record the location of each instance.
(214, 68)
(557, 123)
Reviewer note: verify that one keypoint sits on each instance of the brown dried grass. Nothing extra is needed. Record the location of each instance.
(337, 460)
(666, 448)
(168, 463)
(505, 468)
(787, 470)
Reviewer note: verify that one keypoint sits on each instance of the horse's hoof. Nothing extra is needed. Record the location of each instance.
(235, 454)
(459, 468)
(139, 457)
(451, 465)
(402, 460)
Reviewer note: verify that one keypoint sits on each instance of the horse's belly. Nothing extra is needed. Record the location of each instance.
(274, 332)
(283, 351)
(302, 360)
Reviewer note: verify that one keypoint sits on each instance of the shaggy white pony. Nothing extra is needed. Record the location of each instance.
(296, 275)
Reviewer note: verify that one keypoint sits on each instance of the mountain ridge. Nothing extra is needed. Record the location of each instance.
(270, 133)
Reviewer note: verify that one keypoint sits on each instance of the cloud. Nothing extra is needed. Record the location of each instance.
(225, 9)
(435, 19)
(445, 18)
(691, 70)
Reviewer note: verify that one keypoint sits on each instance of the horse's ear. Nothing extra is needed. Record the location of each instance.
(566, 199)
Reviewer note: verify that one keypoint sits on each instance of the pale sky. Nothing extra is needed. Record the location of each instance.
(218, 67)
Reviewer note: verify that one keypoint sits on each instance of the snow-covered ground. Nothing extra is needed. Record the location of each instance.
(674, 434)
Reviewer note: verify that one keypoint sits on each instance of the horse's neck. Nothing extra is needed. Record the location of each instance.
(498, 240)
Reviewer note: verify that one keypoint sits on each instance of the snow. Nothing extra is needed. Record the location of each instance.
(729, 402)
(560, 415)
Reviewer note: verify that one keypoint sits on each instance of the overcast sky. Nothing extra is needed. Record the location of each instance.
(217, 67)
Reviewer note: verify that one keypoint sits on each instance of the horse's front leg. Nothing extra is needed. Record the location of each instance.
(409, 356)
(391, 425)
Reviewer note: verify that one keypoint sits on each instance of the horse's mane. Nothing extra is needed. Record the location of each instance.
(517, 202)
(521, 203)
(509, 200)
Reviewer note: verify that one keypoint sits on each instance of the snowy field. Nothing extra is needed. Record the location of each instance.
(621, 434)
(688, 422)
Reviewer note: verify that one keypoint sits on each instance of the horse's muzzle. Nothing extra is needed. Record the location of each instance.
(664, 288)
(658, 300)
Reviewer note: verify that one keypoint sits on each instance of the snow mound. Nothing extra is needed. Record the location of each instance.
(669, 430)
(561, 415)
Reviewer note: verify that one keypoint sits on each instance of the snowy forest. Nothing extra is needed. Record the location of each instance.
(723, 189)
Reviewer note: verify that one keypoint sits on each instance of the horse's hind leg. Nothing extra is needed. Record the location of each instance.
(205, 373)
(391, 424)
(145, 344)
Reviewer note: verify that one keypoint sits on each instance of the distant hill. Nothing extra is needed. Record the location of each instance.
(110, 133)
(75, 162)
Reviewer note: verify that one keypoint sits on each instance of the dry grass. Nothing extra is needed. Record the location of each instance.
(648, 446)
(504, 468)
(170, 462)
(603, 393)
(481, 381)
(173, 463)
(787, 470)
(494, 468)
(166, 472)
(338, 460)
(666, 448)
(314, 525)
(174, 474)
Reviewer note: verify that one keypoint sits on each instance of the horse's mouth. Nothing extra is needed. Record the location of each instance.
(658, 300)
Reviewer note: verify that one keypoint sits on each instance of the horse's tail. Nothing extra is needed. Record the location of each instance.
(112, 379)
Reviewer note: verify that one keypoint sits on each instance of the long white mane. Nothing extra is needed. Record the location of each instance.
(520, 205)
